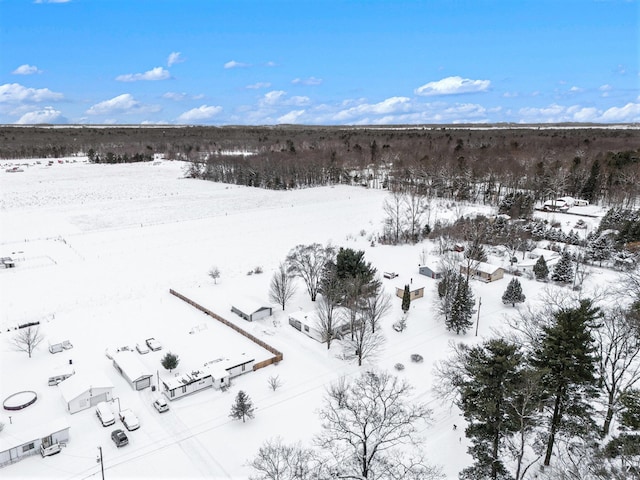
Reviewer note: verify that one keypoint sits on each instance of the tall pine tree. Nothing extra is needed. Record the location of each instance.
(488, 378)
(459, 319)
(566, 357)
(563, 271)
(242, 408)
(513, 294)
(406, 299)
(540, 269)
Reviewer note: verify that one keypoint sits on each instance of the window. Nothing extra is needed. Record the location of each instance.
(306, 328)
(184, 389)
(27, 447)
(243, 367)
(173, 393)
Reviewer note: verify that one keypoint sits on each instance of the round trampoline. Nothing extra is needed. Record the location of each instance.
(20, 400)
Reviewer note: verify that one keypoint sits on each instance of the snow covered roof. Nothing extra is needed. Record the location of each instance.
(413, 286)
(433, 266)
(484, 267)
(16, 435)
(131, 366)
(543, 252)
(77, 384)
(248, 306)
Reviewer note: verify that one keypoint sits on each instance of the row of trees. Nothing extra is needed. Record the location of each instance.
(538, 394)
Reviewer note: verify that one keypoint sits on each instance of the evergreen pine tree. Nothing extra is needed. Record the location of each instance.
(513, 294)
(566, 357)
(242, 407)
(563, 271)
(599, 249)
(491, 377)
(406, 299)
(461, 307)
(170, 361)
(540, 269)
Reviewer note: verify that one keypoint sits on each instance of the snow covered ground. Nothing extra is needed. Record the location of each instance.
(97, 248)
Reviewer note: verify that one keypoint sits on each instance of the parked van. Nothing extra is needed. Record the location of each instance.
(104, 413)
(59, 375)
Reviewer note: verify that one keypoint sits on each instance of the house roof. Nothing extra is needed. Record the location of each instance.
(484, 267)
(16, 435)
(340, 315)
(77, 384)
(548, 254)
(433, 266)
(131, 366)
(413, 285)
(248, 306)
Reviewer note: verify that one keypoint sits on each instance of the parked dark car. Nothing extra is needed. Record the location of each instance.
(119, 438)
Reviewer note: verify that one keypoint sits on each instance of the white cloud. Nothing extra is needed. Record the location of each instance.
(291, 117)
(452, 86)
(279, 97)
(629, 113)
(605, 88)
(271, 64)
(157, 73)
(576, 89)
(258, 85)
(203, 112)
(307, 81)
(174, 96)
(46, 115)
(15, 93)
(234, 64)
(510, 94)
(174, 57)
(390, 105)
(576, 113)
(26, 69)
(124, 103)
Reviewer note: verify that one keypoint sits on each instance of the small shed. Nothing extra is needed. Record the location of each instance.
(483, 271)
(80, 392)
(132, 369)
(18, 442)
(251, 310)
(7, 262)
(430, 270)
(416, 290)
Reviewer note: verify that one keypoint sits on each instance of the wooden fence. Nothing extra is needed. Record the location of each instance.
(278, 356)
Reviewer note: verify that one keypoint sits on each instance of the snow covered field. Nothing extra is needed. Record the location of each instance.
(97, 248)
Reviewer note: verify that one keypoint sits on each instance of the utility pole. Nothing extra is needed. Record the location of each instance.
(100, 461)
(478, 319)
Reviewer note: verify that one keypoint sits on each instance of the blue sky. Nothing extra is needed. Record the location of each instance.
(319, 62)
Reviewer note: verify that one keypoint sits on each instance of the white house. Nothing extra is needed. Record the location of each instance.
(17, 442)
(80, 392)
(250, 309)
(550, 257)
(555, 205)
(482, 271)
(416, 289)
(132, 369)
(309, 323)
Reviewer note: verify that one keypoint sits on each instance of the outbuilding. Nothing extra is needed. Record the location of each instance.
(18, 442)
(483, 271)
(416, 290)
(80, 392)
(132, 369)
(251, 310)
(430, 270)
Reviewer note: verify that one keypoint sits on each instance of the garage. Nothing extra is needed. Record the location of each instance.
(132, 369)
(80, 392)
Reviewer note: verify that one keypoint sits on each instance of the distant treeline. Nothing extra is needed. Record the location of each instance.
(110, 157)
(480, 164)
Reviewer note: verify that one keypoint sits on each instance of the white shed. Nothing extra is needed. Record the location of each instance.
(83, 391)
(132, 369)
(17, 442)
(251, 309)
(309, 323)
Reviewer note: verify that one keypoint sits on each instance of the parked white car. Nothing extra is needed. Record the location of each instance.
(142, 348)
(104, 413)
(161, 405)
(129, 419)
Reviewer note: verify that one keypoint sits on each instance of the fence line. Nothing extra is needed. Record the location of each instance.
(278, 356)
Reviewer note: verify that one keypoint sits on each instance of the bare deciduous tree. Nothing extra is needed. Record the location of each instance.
(375, 307)
(307, 262)
(27, 339)
(393, 207)
(277, 461)
(275, 382)
(619, 354)
(365, 424)
(282, 288)
(214, 272)
(364, 342)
